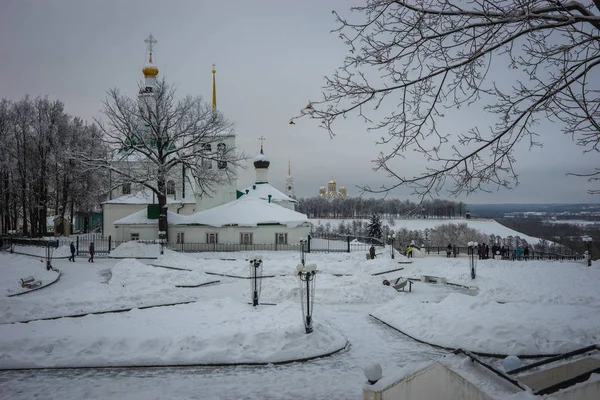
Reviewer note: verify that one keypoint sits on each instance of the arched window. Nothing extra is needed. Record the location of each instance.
(170, 187)
(206, 150)
(221, 149)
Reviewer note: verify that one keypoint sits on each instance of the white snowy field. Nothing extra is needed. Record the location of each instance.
(486, 226)
(520, 308)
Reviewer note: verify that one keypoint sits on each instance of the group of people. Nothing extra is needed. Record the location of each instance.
(91, 251)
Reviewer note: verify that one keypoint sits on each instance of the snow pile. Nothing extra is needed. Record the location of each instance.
(11, 277)
(329, 289)
(136, 249)
(133, 276)
(176, 260)
(216, 331)
(533, 307)
(132, 284)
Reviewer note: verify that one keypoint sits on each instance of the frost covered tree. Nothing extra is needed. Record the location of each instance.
(412, 63)
(155, 136)
(374, 229)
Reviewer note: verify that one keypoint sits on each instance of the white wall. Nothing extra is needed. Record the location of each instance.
(114, 212)
(261, 235)
(583, 391)
(435, 382)
(146, 232)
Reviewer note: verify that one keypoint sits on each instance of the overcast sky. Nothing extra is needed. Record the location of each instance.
(271, 59)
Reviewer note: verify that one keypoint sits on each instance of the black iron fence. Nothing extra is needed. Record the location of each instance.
(316, 244)
(509, 255)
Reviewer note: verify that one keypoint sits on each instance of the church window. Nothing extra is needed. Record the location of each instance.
(206, 162)
(135, 236)
(212, 238)
(180, 237)
(281, 238)
(170, 187)
(126, 188)
(245, 238)
(221, 149)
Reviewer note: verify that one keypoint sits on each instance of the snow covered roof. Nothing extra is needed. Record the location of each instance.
(263, 190)
(246, 211)
(141, 218)
(145, 197)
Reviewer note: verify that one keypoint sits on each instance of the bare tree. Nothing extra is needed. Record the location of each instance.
(410, 63)
(154, 137)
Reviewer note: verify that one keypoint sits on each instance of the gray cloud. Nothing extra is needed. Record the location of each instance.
(271, 58)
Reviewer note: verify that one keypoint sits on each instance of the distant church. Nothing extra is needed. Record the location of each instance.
(331, 192)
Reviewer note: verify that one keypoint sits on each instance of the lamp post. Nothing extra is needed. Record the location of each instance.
(588, 241)
(162, 237)
(307, 275)
(255, 275)
(303, 242)
(472, 248)
(392, 237)
(11, 234)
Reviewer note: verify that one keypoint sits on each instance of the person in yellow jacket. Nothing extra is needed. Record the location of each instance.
(409, 250)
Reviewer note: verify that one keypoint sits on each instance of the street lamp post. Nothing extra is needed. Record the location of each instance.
(472, 248)
(392, 237)
(162, 237)
(255, 275)
(303, 242)
(307, 275)
(11, 234)
(588, 241)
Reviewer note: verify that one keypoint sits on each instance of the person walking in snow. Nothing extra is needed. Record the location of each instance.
(91, 259)
(409, 250)
(72, 258)
(372, 252)
(449, 250)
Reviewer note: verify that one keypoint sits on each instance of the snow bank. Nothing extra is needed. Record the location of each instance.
(329, 289)
(486, 326)
(217, 331)
(131, 285)
(533, 307)
(136, 249)
(25, 267)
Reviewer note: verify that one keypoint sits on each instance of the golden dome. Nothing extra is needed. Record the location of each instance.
(332, 182)
(150, 70)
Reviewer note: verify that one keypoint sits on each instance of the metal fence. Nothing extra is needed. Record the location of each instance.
(510, 255)
(316, 244)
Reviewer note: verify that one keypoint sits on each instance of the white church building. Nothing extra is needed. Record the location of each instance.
(259, 214)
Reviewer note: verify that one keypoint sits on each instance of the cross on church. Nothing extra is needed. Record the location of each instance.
(262, 139)
(150, 42)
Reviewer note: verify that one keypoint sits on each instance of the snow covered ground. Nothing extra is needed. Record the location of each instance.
(520, 307)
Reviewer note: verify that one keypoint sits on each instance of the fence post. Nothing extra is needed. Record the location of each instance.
(109, 243)
(77, 246)
(308, 245)
(348, 240)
